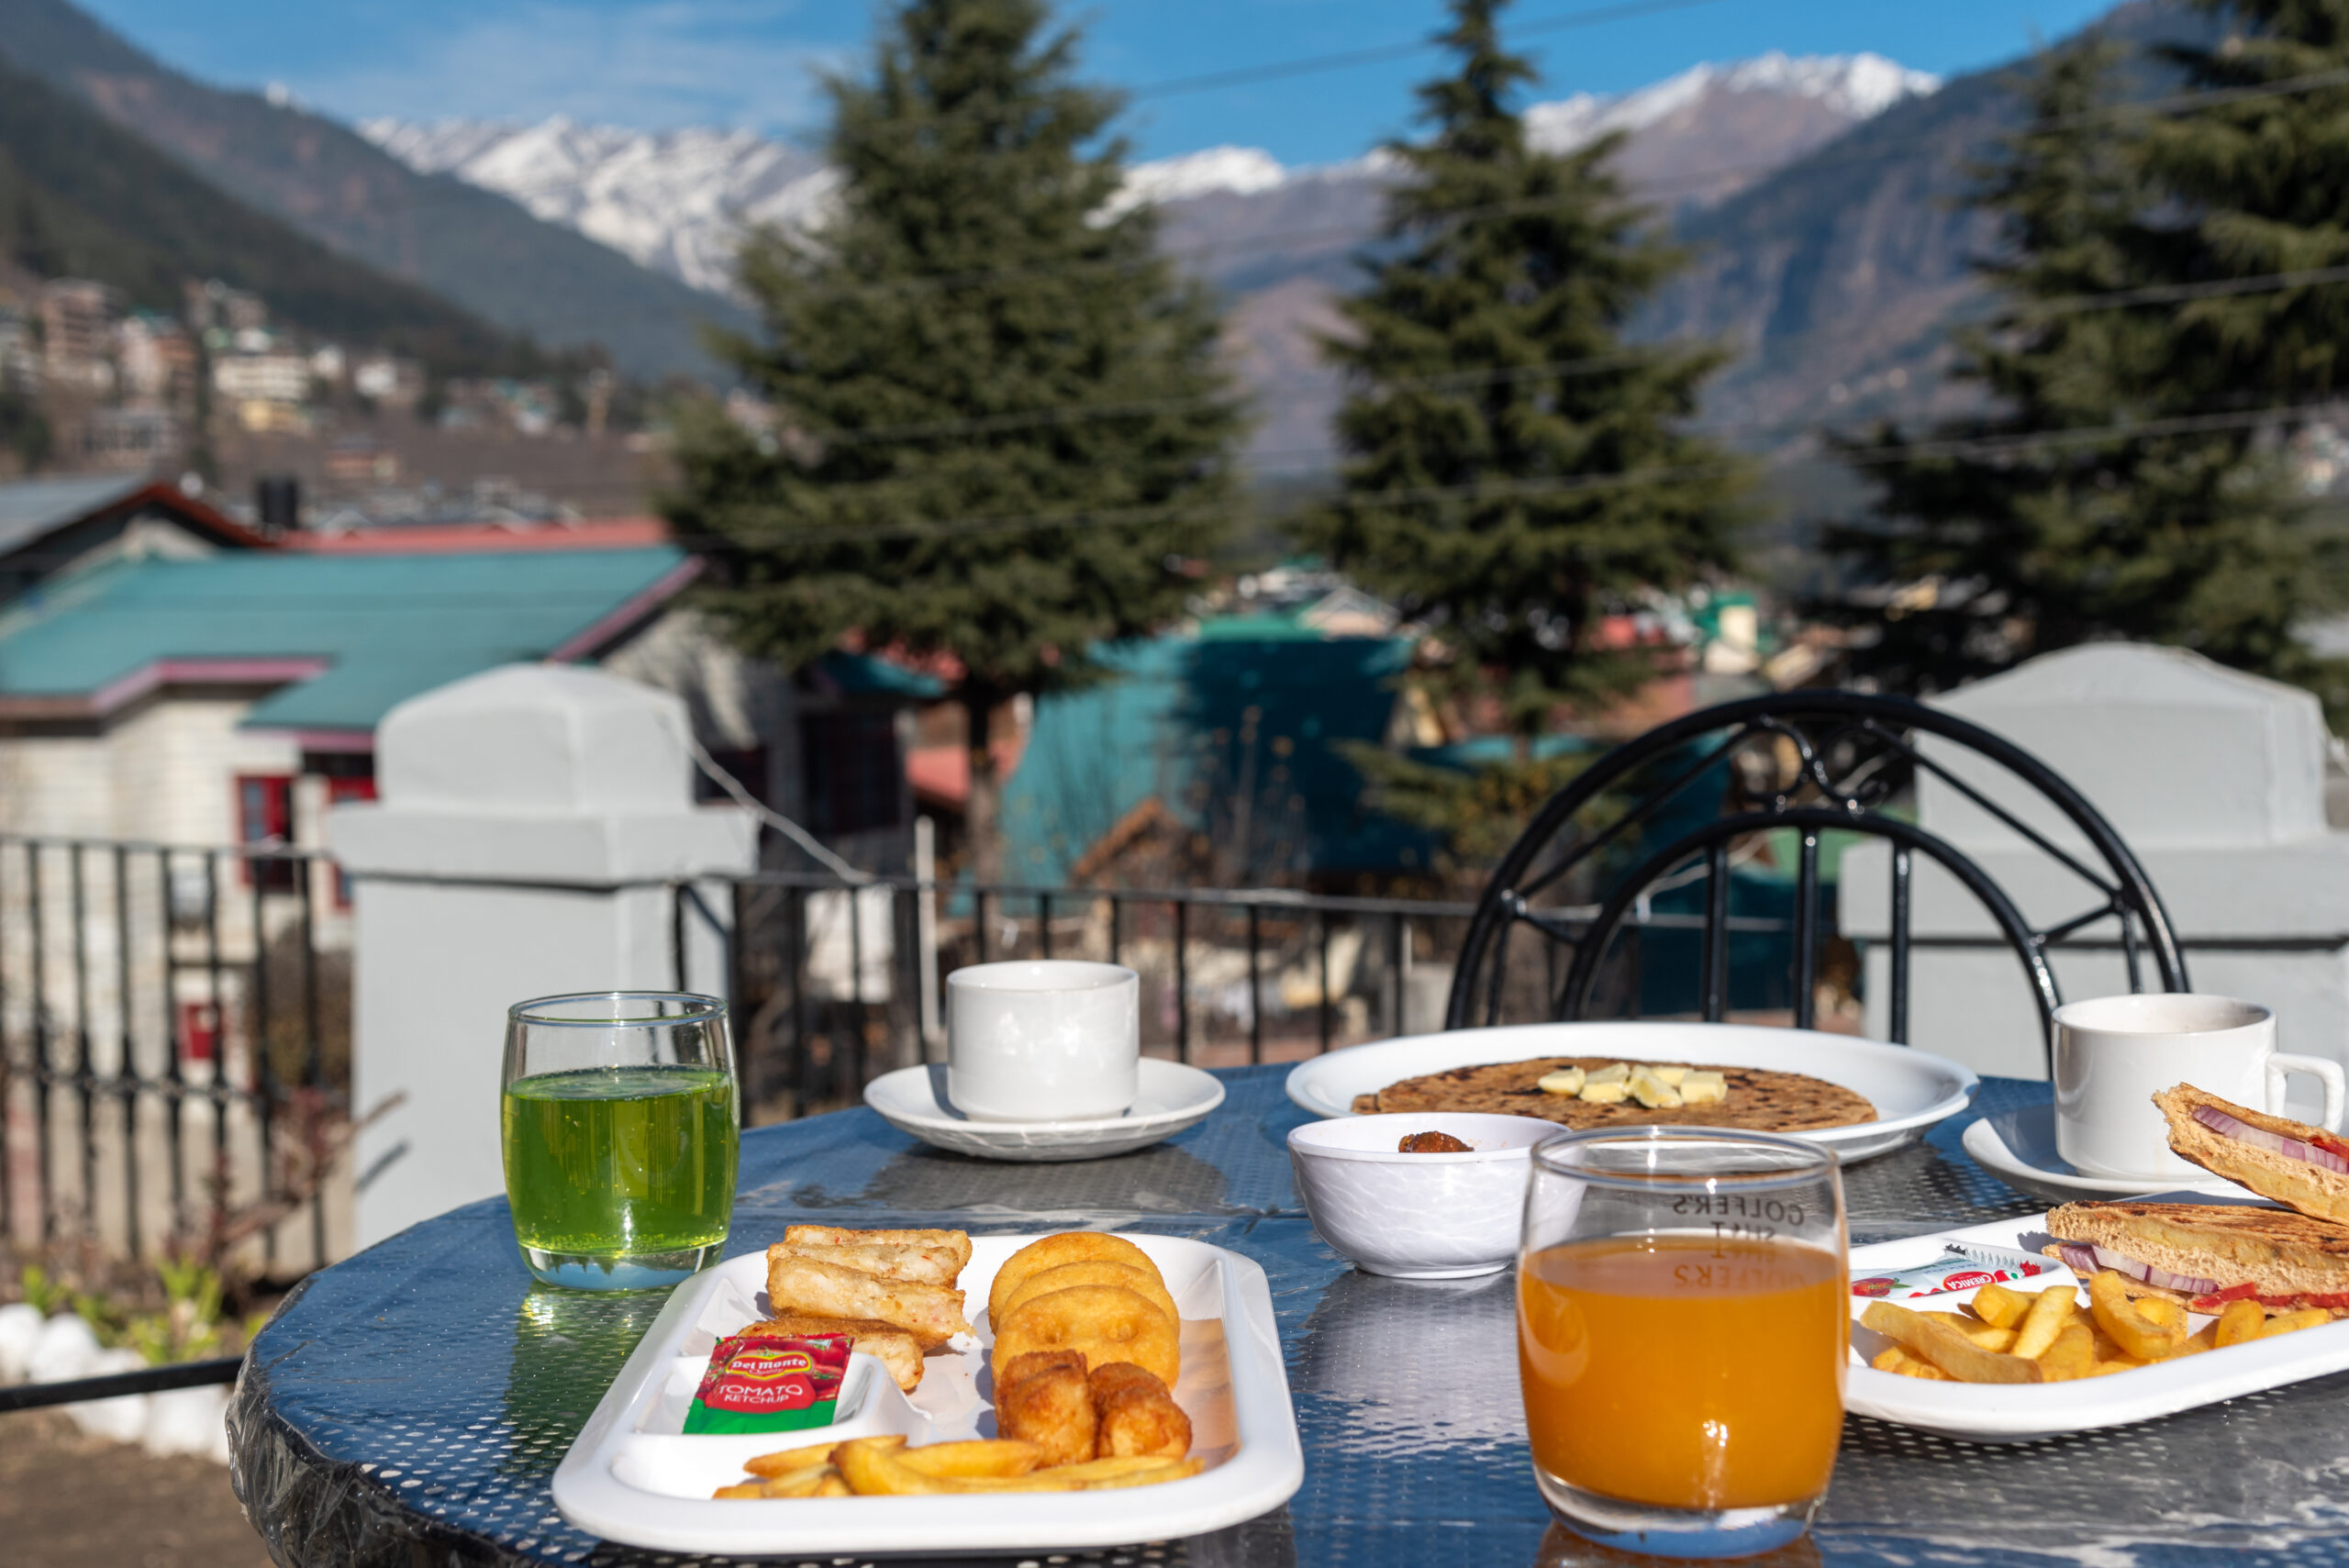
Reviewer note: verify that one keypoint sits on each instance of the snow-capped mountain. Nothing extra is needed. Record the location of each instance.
(678, 200)
(1850, 87)
(672, 200)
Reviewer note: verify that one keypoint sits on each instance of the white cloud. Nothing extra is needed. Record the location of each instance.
(670, 63)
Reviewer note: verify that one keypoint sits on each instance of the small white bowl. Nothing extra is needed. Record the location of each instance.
(1418, 1216)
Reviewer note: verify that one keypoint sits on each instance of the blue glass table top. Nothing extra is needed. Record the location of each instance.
(409, 1406)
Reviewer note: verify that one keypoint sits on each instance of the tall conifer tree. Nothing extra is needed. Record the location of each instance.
(1513, 471)
(2126, 482)
(1002, 418)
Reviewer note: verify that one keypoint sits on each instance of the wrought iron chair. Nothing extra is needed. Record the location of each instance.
(1814, 763)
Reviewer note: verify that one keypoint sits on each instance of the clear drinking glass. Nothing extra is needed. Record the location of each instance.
(620, 1120)
(1681, 1333)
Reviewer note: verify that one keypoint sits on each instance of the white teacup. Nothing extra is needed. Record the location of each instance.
(2114, 1053)
(1046, 1040)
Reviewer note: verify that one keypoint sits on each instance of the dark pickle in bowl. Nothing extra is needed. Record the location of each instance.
(1431, 1143)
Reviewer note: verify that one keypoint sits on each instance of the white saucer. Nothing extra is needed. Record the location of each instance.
(1174, 1097)
(2019, 1148)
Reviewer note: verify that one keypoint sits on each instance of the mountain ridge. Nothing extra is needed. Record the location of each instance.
(474, 248)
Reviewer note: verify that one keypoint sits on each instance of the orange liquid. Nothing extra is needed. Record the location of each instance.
(1683, 1372)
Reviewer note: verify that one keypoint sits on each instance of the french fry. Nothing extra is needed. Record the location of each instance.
(771, 1465)
(2205, 1338)
(807, 1482)
(2072, 1355)
(2128, 1325)
(832, 1486)
(2287, 1322)
(2162, 1309)
(1896, 1359)
(995, 1456)
(2001, 1307)
(2241, 1322)
(1988, 1336)
(2102, 1368)
(1934, 1339)
(877, 1467)
(2051, 1310)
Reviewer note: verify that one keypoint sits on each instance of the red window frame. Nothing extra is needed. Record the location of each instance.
(265, 814)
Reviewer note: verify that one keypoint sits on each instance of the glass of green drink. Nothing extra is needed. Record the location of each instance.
(620, 1118)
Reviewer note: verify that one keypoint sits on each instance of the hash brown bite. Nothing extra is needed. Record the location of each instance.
(1758, 1099)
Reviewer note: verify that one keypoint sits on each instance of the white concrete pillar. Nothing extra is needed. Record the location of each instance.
(530, 819)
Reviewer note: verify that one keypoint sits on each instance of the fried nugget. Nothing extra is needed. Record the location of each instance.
(1051, 1407)
(1028, 1363)
(932, 1314)
(956, 1242)
(1106, 1322)
(1066, 1276)
(1134, 1416)
(882, 1259)
(1066, 1247)
(890, 1346)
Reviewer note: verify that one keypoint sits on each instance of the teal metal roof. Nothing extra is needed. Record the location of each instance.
(1221, 728)
(387, 628)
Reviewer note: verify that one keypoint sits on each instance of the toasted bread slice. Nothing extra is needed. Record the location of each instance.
(882, 1259)
(797, 1282)
(956, 1242)
(2281, 1254)
(2314, 1191)
(890, 1346)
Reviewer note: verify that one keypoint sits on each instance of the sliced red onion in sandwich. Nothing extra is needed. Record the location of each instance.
(2083, 1258)
(2242, 1131)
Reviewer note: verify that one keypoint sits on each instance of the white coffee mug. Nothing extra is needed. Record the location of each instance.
(1046, 1040)
(2114, 1053)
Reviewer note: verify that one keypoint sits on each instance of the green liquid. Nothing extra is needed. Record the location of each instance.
(615, 1161)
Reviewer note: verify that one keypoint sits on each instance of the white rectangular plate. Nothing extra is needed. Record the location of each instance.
(632, 1475)
(2008, 1413)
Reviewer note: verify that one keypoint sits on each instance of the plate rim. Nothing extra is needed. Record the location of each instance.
(1974, 1411)
(2073, 1188)
(1200, 1080)
(1969, 1084)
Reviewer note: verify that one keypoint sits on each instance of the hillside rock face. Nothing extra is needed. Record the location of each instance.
(470, 246)
(1277, 242)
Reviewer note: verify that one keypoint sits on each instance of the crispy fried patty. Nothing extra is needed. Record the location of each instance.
(1759, 1101)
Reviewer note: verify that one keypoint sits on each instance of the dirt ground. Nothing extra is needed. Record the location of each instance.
(68, 1500)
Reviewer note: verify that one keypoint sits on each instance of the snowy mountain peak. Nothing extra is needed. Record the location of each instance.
(1851, 86)
(678, 200)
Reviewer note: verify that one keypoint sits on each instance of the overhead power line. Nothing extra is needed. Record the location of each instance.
(1089, 413)
(1573, 484)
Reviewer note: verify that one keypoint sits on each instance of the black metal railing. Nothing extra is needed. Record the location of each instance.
(175, 1050)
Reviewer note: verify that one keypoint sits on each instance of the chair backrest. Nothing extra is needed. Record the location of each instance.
(1806, 763)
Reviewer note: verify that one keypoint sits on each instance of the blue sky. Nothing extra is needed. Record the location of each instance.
(659, 63)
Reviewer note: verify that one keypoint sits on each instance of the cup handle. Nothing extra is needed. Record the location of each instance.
(2325, 1071)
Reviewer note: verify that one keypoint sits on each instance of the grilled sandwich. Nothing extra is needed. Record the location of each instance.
(2302, 1167)
(2209, 1254)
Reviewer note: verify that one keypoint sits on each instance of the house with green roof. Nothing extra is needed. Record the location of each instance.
(231, 697)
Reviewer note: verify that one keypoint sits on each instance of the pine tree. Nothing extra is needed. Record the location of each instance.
(1514, 470)
(1002, 424)
(2123, 481)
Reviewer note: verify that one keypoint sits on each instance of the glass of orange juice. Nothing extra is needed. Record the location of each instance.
(1681, 1333)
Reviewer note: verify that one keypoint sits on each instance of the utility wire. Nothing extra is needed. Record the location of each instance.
(768, 814)
(1088, 413)
(1687, 180)
(1869, 457)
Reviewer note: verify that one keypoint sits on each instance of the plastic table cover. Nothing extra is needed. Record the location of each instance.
(409, 1406)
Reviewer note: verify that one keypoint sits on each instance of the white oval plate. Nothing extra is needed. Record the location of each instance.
(2013, 1413)
(2019, 1148)
(1172, 1097)
(1911, 1089)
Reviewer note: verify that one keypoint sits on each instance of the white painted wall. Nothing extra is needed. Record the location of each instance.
(569, 779)
(2214, 778)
